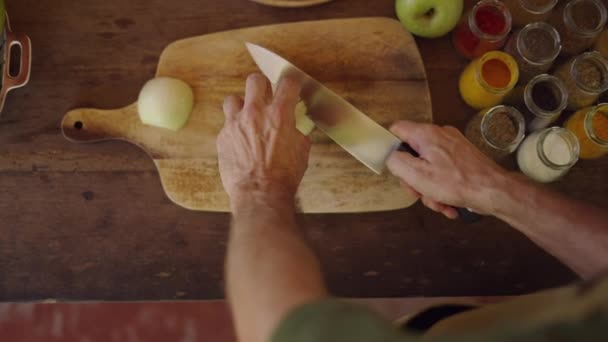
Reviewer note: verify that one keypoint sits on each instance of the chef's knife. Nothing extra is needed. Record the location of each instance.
(354, 131)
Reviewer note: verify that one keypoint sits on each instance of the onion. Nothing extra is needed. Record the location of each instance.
(303, 122)
(166, 103)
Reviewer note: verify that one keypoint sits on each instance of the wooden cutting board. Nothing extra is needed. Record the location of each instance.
(373, 63)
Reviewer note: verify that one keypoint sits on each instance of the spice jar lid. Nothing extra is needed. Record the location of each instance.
(493, 133)
(546, 96)
(590, 70)
(577, 16)
(543, 148)
(539, 43)
(499, 9)
(538, 7)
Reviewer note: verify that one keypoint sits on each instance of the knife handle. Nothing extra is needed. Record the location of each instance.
(466, 215)
(405, 147)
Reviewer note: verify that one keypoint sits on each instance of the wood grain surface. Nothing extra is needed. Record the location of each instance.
(374, 63)
(92, 222)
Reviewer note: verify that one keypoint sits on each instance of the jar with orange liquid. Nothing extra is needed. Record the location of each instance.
(590, 125)
(488, 80)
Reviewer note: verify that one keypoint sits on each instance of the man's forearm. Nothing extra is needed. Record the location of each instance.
(270, 269)
(575, 233)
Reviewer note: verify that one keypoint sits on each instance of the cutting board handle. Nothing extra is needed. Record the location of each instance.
(25, 62)
(87, 125)
(10, 82)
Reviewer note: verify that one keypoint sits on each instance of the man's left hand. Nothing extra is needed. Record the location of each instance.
(259, 149)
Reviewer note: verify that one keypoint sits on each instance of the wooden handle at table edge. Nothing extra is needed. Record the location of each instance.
(291, 4)
(25, 63)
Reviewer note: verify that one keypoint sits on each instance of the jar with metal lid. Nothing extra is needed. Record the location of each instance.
(541, 101)
(578, 22)
(590, 125)
(484, 28)
(528, 11)
(548, 155)
(497, 131)
(585, 77)
(535, 48)
(487, 80)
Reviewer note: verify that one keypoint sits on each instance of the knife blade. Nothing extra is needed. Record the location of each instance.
(350, 128)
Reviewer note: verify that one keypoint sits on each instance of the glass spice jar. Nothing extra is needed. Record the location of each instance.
(487, 80)
(578, 22)
(528, 11)
(483, 29)
(541, 101)
(548, 155)
(497, 132)
(585, 77)
(535, 48)
(590, 125)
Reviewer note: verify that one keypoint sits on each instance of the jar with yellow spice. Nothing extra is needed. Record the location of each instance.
(487, 80)
(590, 125)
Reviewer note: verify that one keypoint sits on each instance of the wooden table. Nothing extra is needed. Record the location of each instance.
(91, 222)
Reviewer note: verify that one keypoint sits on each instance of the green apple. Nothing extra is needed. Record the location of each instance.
(429, 18)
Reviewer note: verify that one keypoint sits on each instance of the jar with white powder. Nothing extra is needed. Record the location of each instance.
(547, 155)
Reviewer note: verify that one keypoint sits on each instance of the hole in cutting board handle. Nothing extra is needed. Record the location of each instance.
(78, 125)
(14, 68)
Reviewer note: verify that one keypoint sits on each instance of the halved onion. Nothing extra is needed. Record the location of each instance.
(166, 103)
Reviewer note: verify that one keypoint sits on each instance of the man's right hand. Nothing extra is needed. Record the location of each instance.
(450, 172)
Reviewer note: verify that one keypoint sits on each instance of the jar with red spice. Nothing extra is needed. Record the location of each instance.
(484, 28)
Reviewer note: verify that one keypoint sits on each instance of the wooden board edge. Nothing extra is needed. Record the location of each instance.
(205, 191)
(389, 20)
